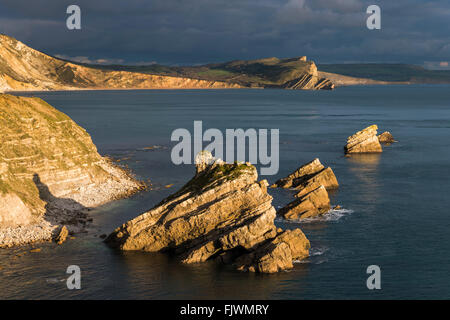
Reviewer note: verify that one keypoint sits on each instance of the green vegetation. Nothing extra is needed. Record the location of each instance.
(273, 72)
(251, 73)
(224, 171)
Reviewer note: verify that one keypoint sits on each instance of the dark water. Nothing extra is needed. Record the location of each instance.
(396, 205)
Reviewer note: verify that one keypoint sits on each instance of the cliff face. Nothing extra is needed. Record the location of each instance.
(223, 213)
(23, 68)
(291, 73)
(49, 169)
(309, 80)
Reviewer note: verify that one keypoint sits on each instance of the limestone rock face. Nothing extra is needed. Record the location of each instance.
(308, 205)
(309, 80)
(364, 141)
(386, 137)
(309, 176)
(50, 169)
(223, 213)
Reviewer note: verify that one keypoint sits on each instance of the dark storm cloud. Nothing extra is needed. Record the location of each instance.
(198, 31)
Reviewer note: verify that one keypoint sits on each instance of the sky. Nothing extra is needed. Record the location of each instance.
(181, 32)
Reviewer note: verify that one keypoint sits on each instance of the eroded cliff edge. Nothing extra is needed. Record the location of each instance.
(50, 172)
(223, 213)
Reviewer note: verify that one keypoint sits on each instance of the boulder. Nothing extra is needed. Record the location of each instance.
(308, 205)
(62, 236)
(364, 141)
(386, 137)
(277, 254)
(309, 177)
(223, 213)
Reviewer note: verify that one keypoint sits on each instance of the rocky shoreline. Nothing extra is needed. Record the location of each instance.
(50, 173)
(71, 215)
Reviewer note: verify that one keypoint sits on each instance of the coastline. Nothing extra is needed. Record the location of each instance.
(73, 214)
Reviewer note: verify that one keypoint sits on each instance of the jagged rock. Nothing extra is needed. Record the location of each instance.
(62, 236)
(364, 141)
(309, 177)
(50, 171)
(222, 212)
(386, 137)
(277, 254)
(309, 205)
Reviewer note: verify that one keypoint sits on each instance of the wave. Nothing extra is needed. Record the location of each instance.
(332, 215)
(314, 254)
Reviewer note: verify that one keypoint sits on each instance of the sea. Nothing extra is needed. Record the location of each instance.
(394, 206)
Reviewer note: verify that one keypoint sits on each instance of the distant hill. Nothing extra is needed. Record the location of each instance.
(405, 73)
(291, 73)
(23, 68)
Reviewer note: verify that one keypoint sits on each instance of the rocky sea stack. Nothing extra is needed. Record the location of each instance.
(312, 180)
(50, 172)
(223, 213)
(364, 141)
(386, 138)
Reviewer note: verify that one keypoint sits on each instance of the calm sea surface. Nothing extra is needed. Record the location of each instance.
(396, 205)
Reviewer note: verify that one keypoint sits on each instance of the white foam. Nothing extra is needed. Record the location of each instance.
(313, 252)
(332, 215)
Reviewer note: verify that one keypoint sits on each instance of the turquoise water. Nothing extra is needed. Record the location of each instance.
(395, 205)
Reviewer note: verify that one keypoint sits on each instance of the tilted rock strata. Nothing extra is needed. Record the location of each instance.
(364, 141)
(222, 213)
(50, 171)
(309, 80)
(386, 137)
(310, 174)
(308, 205)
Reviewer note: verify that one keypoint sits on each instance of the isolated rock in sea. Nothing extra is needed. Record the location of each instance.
(386, 137)
(222, 213)
(50, 172)
(308, 205)
(364, 141)
(309, 177)
(62, 236)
